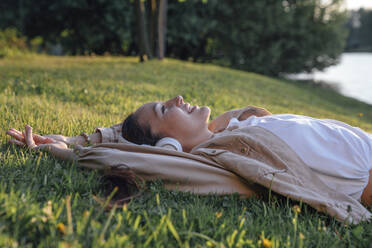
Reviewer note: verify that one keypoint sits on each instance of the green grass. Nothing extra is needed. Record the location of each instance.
(68, 95)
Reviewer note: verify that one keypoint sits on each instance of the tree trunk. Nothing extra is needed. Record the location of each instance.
(162, 28)
(143, 40)
(21, 13)
(153, 9)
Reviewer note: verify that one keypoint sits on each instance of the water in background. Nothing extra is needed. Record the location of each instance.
(353, 76)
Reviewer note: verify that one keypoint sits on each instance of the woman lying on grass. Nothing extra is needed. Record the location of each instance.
(325, 163)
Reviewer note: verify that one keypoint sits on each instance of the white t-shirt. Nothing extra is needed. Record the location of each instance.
(340, 153)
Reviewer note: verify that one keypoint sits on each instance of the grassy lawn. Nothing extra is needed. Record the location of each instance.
(49, 203)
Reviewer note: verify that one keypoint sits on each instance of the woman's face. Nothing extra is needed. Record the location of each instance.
(174, 118)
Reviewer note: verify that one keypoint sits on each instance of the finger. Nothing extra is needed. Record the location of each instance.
(39, 138)
(42, 140)
(15, 135)
(17, 142)
(28, 137)
(16, 131)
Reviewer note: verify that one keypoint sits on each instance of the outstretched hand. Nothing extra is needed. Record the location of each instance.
(33, 141)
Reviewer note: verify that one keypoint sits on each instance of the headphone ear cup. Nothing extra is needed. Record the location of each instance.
(169, 143)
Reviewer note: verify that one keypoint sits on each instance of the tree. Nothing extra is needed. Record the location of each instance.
(153, 19)
(264, 36)
(359, 25)
(151, 26)
(191, 24)
(274, 37)
(143, 41)
(365, 30)
(162, 28)
(80, 26)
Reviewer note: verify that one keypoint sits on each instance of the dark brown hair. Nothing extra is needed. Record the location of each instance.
(138, 134)
(121, 179)
(124, 182)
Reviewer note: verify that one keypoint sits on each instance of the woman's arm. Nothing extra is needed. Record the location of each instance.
(93, 138)
(220, 122)
(59, 151)
(101, 135)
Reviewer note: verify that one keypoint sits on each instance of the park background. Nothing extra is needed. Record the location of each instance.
(299, 37)
(68, 66)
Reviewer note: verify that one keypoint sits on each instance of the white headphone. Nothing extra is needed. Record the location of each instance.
(169, 143)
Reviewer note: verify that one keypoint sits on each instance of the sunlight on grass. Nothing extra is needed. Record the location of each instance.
(49, 203)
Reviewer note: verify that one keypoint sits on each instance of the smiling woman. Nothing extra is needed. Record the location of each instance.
(325, 163)
(173, 118)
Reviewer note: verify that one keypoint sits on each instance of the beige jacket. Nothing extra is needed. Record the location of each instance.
(238, 161)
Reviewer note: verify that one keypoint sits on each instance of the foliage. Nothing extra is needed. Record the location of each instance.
(81, 27)
(69, 95)
(359, 26)
(272, 37)
(365, 29)
(11, 43)
(264, 36)
(189, 31)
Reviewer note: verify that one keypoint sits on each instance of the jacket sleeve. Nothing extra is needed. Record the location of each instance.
(178, 170)
(111, 134)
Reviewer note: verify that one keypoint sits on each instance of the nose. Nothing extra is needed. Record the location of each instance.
(178, 101)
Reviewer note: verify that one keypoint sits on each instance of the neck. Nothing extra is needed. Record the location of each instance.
(196, 140)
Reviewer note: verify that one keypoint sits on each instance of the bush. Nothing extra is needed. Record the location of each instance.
(12, 43)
